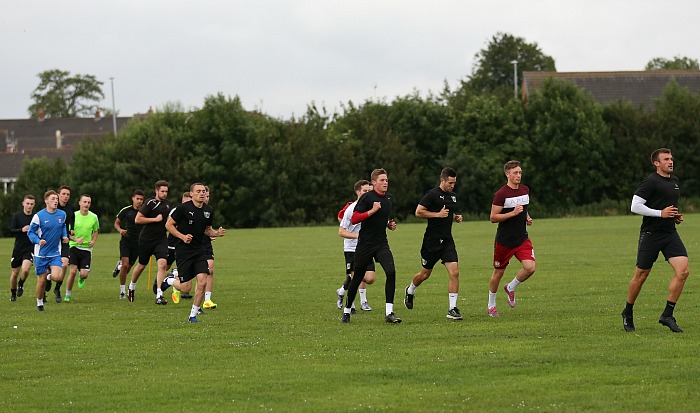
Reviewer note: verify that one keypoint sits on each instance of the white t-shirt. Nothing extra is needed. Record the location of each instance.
(350, 244)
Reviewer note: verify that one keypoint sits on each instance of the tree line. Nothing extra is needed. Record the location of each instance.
(579, 157)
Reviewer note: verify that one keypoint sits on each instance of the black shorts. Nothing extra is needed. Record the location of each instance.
(172, 255)
(209, 251)
(18, 257)
(159, 249)
(81, 258)
(433, 251)
(350, 263)
(651, 243)
(65, 250)
(130, 249)
(189, 267)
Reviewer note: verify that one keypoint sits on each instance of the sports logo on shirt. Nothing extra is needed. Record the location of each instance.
(206, 214)
(454, 198)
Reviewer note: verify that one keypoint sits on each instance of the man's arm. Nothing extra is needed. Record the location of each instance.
(141, 219)
(496, 215)
(422, 212)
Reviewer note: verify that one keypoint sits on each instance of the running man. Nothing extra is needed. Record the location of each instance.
(373, 210)
(86, 230)
(153, 240)
(63, 198)
(22, 258)
(46, 231)
(209, 251)
(509, 210)
(438, 206)
(351, 232)
(126, 225)
(191, 223)
(656, 199)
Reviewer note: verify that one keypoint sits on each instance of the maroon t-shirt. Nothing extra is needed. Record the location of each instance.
(511, 232)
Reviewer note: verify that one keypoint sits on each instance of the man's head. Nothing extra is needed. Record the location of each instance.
(186, 196)
(137, 198)
(199, 193)
(64, 195)
(380, 180)
(662, 159)
(28, 204)
(162, 190)
(51, 199)
(514, 172)
(84, 202)
(448, 179)
(362, 186)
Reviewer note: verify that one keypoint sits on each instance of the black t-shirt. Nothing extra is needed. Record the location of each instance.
(22, 241)
(70, 216)
(155, 231)
(659, 192)
(433, 201)
(512, 232)
(373, 230)
(189, 219)
(127, 219)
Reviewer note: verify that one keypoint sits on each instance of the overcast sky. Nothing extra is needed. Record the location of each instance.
(280, 56)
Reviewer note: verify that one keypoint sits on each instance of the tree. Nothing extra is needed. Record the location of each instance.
(677, 63)
(493, 69)
(61, 95)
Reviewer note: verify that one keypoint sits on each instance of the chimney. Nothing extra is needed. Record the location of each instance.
(97, 115)
(41, 116)
(59, 139)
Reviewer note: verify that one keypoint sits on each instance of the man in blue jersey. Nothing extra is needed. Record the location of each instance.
(46, 231)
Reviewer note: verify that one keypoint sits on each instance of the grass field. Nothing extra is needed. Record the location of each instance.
(275, 342)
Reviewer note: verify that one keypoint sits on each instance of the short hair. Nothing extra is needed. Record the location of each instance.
(62, 187)
(48, 193)
(84, 196)
(206, 187)
(137, 192)
(447, 172)
(377, 172)
(197, 184)
(510, 165)
(656, 153)
(29, 196)
(161, 183)
(187, 194)
(359, 184)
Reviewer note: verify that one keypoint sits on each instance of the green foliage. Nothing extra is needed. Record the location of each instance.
(493, 70)
(571, 143)
(61, 95)
(677, 63)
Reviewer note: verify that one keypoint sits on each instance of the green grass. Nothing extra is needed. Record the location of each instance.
(275, 342)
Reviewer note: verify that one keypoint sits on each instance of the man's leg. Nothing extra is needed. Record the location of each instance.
(680, 275)
(14, 275)
(208, 303)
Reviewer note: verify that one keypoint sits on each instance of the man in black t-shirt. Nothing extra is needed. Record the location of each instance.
(22, 256)
(191, 223)
(373, 210)
(126, 225)
(438, 207)
(656, 199)
(153, 238)
(63, 199)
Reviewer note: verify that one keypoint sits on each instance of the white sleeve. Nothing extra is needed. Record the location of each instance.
(639, 207)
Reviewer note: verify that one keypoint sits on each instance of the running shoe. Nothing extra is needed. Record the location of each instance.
(67, 299)
(164, 285)
(193, 320)
(175, 296)
(392, 318)
(493, 312)
(47, 286)
(186, 296)
(670, 322)
(58, 295)
(345, 318)
(454, 314)
(365, 306)
(627, 322)
(131, 296)
(20, 290)
(81, 282)
(40, 307)
(199, 311)
(339, 301)
(511, 296)
(13, 298)
(122, 296)
(209, 304)
(117, 268)
(161, 301)
(408, 300)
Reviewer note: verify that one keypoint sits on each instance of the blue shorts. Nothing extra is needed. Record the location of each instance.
(44, 264)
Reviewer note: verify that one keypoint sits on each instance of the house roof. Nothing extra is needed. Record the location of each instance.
(639, 87)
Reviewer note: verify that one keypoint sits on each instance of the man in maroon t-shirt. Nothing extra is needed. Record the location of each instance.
(509, 210)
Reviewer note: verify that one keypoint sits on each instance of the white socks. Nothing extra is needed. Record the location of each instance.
(492, 299)
(453, 300)
(389, 308)
(513, 284)
(363, 295)
(411, 289)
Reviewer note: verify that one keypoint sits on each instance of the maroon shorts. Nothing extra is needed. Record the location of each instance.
(503, 254)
